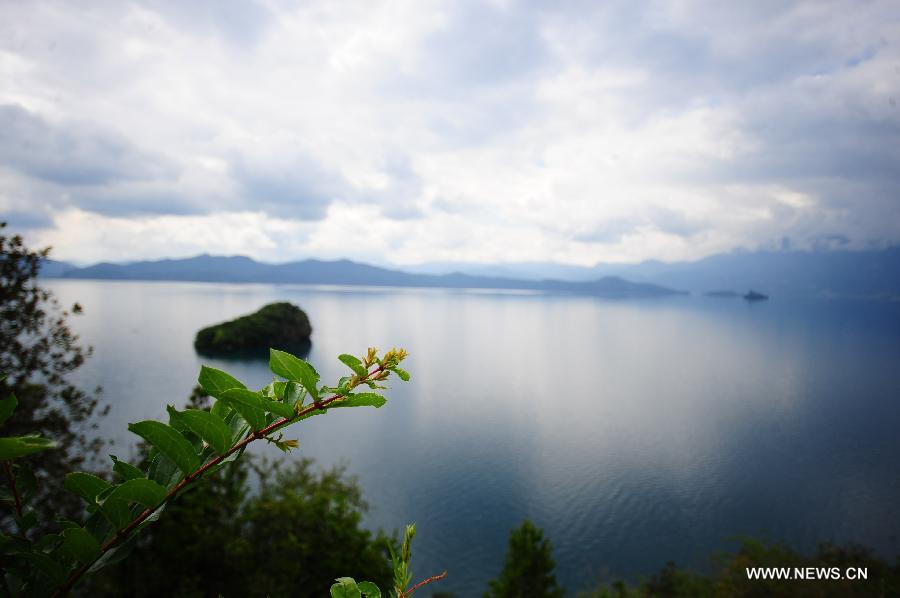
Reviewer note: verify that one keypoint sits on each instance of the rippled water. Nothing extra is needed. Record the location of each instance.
(634, 432)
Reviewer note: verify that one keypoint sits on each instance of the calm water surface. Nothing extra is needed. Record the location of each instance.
(634, 432)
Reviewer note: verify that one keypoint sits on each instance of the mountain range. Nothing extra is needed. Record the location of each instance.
(796, 273)
(207, 268)
(805, 273)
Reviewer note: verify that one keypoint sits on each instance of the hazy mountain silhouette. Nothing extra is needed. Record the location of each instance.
(779, 273)
(207, 268)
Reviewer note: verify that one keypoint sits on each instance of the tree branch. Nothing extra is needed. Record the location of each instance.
(424, 582)
(126, 531)
(12, 487)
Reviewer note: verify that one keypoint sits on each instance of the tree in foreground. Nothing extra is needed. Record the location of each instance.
(528, 568)
(38, 353)
(293, 537)
(194, 447)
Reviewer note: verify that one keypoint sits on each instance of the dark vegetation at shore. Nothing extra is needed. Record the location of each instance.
(282, 326)
(528, 571)
(729, 577)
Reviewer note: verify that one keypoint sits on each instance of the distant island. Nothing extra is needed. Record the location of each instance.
(754, 296)
(207, 268)
(277, 325)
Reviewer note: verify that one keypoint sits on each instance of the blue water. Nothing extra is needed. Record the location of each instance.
(633, 431)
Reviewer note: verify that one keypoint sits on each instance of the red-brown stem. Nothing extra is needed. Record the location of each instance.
(191, 477)
(12, 486)
(410, 591)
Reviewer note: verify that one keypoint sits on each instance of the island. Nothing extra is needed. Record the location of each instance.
(281, 326)
(754, 296)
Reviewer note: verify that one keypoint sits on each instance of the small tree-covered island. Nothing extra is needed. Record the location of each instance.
(277, 325)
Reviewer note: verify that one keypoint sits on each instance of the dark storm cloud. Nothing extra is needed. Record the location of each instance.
(72, 155)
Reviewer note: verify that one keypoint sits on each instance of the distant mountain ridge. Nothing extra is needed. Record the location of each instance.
(872, 273)
(865, 273)
(207, 268)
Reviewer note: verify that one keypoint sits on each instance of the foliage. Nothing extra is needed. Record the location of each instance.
(279, 325)
(193, 445)
(730, 578)
(22, 483)
(528, 568)
(37, 352)
(347, 587)
(292, 538)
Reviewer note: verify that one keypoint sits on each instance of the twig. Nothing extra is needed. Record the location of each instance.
(12, 486)
(424, 582)
(126, 531)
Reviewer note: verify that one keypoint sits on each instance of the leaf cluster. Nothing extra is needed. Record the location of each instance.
(39, 351)
(194, 444)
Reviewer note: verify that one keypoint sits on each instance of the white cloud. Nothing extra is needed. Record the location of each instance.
(460, 131)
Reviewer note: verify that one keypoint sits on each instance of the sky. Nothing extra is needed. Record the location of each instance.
(406, 132)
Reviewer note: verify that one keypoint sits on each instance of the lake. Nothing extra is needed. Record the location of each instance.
(633, 432)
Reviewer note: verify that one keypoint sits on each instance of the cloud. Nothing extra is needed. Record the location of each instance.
(460, 131)
(72, 155)
(27, 221)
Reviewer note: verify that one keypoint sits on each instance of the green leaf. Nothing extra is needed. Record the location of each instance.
(80, 545)
(220, 409)
(126, 470)
(238, 426)
(249, 404)
(404, 375)
(16, 446)
(278, 408)
(86, 485)
(293, 393)
(116, 554)
(139, 490)
(215, 382)
(98, 526)
(353, 363)
(369, 589)
(7, 406)
(169, 442)
(163, 471)
(345, 588)
(211, 428)
(117, 512)
(176, 422)
(293, 368)
(362, 399)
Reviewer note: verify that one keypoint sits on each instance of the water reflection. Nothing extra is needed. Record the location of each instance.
(634, 432)
(243, 356)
